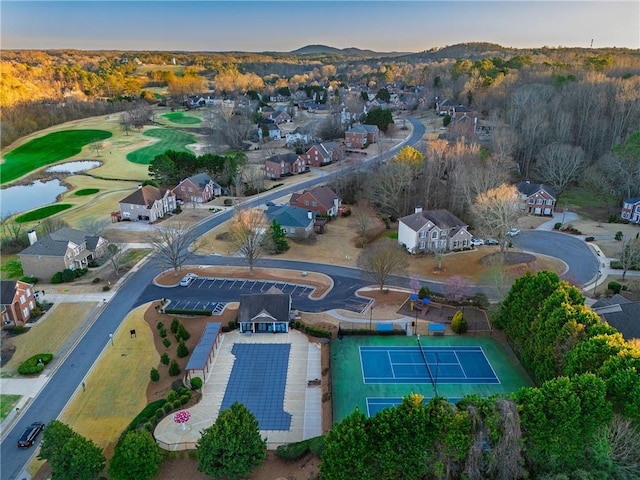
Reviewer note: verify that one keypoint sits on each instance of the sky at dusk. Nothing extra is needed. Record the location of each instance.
(269, 25)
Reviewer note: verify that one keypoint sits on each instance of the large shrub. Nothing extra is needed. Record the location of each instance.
(459, 323)
(174, 368)
(35, 364)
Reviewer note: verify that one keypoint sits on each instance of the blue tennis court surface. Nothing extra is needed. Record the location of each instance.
(446, 365)
(258, 379)
(376, 404)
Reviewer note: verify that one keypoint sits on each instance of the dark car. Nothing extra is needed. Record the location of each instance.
(30, 434)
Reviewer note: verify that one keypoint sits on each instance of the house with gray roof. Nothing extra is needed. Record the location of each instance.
(296, 222)
(360, 136)
(631, 209)
(621, 313)
(66, 248)
(536, 198)
(432, 231)
(284, 165)
(267, 312)
(147, 203)
(198, 188)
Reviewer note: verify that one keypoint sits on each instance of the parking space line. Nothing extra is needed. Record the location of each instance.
(232, 284)
(253, 284)
(223, 282)
(242, 286)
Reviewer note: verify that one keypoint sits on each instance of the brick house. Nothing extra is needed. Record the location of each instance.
(17, 301)
(432, 231)
(360, 136)
(147, 203)
(321, 200)
(199, 188)
(536, 198)
(322, 154)
(284, 164)
(631, 210)
(66, 248)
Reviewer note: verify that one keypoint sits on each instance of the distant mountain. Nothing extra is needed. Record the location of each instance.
(326, 50)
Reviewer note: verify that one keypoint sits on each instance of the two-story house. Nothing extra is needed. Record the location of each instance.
(199, 188)
(322, 154)
(359, 136)
(283, 165)
(17, 301)
(631, 210)
(432, 231)
(147, 203)
(321, 200)
(267, 129)
(66, 248)
(536, 198)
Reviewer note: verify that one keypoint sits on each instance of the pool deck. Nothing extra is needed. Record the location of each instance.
(302, 400)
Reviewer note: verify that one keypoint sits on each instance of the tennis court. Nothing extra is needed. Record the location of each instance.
(442, 365)
(375, 372)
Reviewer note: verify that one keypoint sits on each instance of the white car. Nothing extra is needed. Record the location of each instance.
(513, 232)
(476, 242)
(187, 279)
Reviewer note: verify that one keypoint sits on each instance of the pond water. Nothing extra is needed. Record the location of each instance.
(27, 197)
(74, 167)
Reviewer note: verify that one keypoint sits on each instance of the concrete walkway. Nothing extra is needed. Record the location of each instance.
(302, 401)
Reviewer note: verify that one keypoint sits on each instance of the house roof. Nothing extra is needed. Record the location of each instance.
(527, 188)
(441, 218)
(200, 179)
(289, 216)
(632, 200)
(363, 129)
(7, 291)
(283, 157)
(621, 313)
(323, 194)
(55, 244)
(273, 303)
(146, 196)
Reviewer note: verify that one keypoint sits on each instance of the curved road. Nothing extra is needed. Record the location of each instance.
(73, 369)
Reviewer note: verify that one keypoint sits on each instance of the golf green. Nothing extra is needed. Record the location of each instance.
(42, 212)
(181, 118)
(46, 150)
(169, 140)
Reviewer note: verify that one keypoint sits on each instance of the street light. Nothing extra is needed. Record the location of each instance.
(595, 284)
(111, 338)
(370, 315)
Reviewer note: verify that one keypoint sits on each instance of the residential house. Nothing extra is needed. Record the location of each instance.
(66, 248)
(199, 188)
(17, 301)
(284, 165)
(361, 136)
(268, 312)
(296, 222)
(322, 154)
(279, 117)
(297, 137)
(536, 198)
(631, 210)
(621, 313)
(321, 200)
(268, 129)
(147, 203)
(432, 231)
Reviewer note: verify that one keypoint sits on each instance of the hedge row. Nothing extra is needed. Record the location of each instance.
(313, 331)
(186, 311)
(295, 451)
(35, 364)
(366, 331)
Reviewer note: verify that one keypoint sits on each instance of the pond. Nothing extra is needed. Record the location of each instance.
(74, 167)
(21, 198)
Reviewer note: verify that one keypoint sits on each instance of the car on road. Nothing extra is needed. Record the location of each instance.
(491, 241)
(30, 434)
(513, 232)
(476, 242)
(187, 279)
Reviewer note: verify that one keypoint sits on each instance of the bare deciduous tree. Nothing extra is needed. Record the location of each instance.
(382, 259)
(559, 165)
(496, 211)
(114, 255)
(94, 226)
(173, 245)
(247, 230)
(630, 256)
(97, 145)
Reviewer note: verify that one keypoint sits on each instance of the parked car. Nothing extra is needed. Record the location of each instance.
(513, 232)
(491, 241)
(30, 434)
(476, 242)
(187, 279)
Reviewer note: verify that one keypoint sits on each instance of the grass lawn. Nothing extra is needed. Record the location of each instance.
(86, 191)
(7, 402)
(169, 140)
(48, 335)
(116, 385)
(43, 212)
(181, 118)
(46, 150)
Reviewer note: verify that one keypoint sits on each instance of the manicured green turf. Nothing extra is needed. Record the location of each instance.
(581, 197)
(349, 390)
(169, 140)
(87, 191)
(46, 150)
(43, 212)
(179, 117)
(7, 402)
